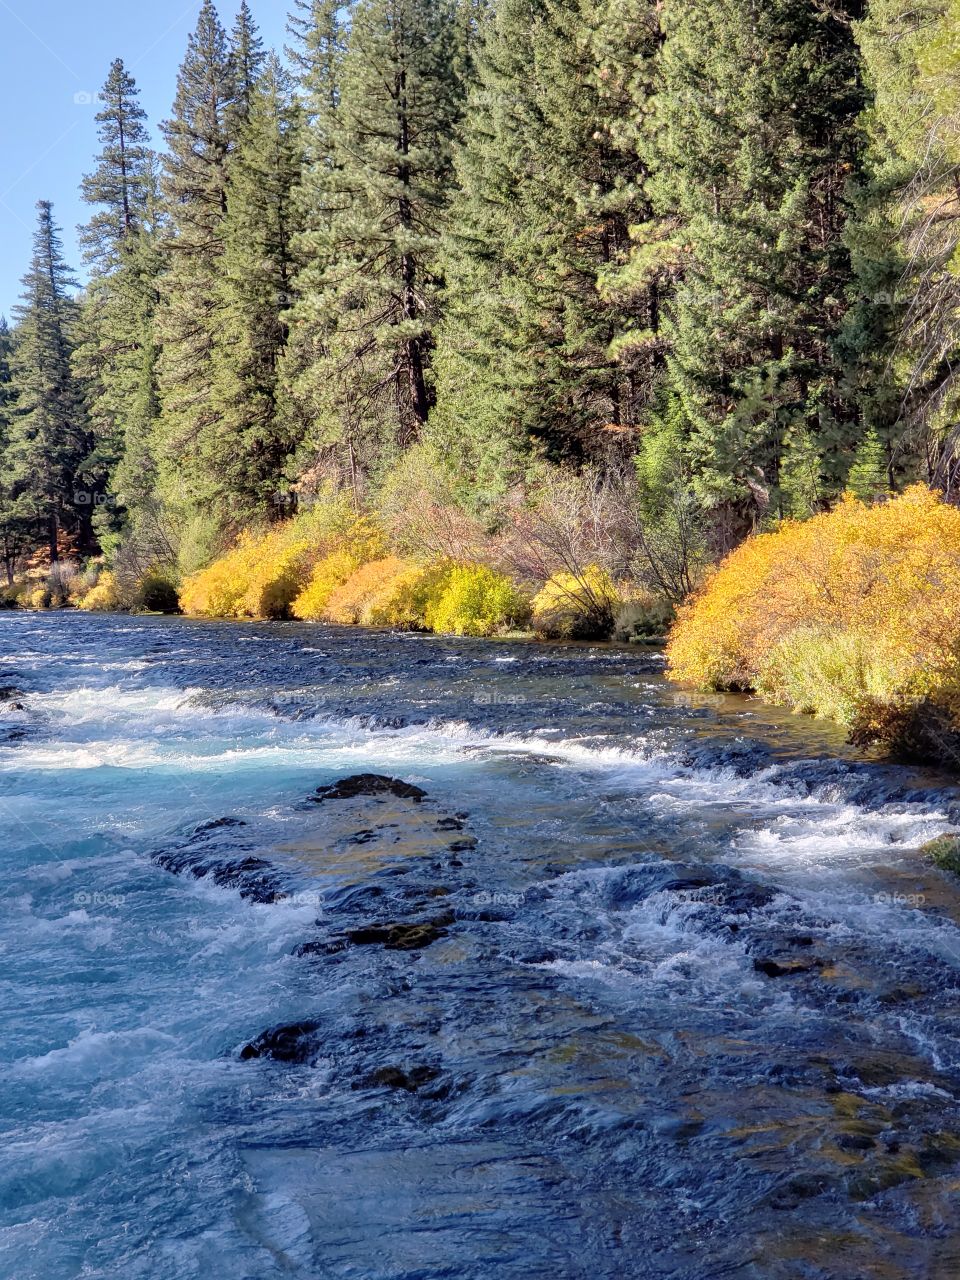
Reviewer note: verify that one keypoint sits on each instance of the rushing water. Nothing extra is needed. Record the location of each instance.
(689, 1006)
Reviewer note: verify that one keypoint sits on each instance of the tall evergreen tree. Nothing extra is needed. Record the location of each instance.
(49, 439)
(368, 289)
(905, 240)
(15, 523)
(757, 140)
(194, 187)
(122, 185)
(247, 58)
(115, 357)
(543, 328)
(246, 452)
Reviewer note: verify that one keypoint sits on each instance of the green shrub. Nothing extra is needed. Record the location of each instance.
(156, 593)
(944, 852)
(645, 619)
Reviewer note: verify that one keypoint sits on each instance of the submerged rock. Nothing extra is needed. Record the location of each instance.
(253, 878)
(786, 966)
(293, 1042)
(402, 937)
(368, 784)
(409, 1079)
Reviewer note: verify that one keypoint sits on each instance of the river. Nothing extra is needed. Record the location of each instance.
(642, 985)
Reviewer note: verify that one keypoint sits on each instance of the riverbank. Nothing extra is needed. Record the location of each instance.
(852, 615)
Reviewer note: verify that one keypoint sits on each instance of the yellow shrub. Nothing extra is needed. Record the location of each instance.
(476, 601)
(104, 597)
(280, 574)
(580, 606)
(218, 590)
(331, 572)
(853, 614)
(356, 600)
(405, 601)
(265, 574)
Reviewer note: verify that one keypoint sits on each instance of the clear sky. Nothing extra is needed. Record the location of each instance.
(54, 57)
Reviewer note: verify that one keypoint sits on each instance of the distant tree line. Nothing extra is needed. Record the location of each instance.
(715, 245)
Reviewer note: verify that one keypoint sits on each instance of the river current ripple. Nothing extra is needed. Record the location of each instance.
(646, 984)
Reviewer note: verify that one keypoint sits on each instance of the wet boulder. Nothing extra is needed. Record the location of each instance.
(368, 784)
(295, 1042)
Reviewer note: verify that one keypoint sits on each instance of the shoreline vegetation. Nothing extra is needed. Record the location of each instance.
(607, 320)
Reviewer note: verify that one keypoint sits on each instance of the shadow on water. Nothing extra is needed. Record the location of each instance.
(645, 984)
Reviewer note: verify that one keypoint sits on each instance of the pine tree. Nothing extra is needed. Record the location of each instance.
(194, 187)
(15, 524)
(246, 453)
(902, 342)
(801, 479)
(867, 477)
(543, 328)
(123, 182)
(49, 440)
(247, 60)
(368, 288)
(115, 358)
(757, 139)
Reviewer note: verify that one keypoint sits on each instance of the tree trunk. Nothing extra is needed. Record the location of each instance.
(53, 530)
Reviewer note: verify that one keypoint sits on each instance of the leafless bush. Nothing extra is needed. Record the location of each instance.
(568, 521)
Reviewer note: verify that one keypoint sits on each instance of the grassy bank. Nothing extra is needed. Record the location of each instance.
(853, 615)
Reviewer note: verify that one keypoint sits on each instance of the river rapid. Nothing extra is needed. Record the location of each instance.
(643, 985)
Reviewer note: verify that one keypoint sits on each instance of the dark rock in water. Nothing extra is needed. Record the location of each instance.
(402, 937)
(785, 967)
(855, 1142)
(463, 846)
(368, 784)
(295, 1042)
(410, 1080)
(253, 878)
(363, 837)
(217, 824)
(205, 857)
(9, 692)
(321, 947)
(449, 824)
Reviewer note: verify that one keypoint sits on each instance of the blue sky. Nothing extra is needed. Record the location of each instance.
(54, 56)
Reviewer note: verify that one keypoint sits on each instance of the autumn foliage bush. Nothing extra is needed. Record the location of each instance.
(474, 600)
(104, 597)
(286, 569)
(577, 606)
(854, 615)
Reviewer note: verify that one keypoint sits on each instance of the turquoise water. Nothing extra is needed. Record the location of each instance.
(616, 1088)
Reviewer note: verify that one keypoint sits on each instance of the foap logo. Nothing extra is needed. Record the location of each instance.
(87, 498)
(485, 899)
(495, 699)
(304, 898)
(83, 898)
(899, 899)
(83, 98)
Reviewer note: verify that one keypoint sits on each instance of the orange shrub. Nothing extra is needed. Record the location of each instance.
(854, 614)
(356, 600)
